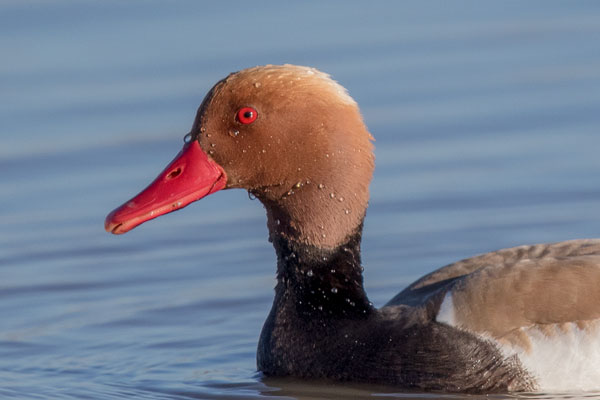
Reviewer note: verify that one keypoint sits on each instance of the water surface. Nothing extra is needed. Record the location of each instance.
(487, 126)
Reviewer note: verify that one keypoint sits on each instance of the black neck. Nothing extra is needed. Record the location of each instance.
(319, 294)
(313, 283)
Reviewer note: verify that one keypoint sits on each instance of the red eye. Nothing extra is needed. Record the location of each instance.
(247, 115)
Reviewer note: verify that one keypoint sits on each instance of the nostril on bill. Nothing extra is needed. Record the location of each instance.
(174, 174)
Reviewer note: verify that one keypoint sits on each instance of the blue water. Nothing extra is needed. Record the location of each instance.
(487, 121)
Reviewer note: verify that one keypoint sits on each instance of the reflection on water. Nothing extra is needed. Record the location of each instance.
(486, 123)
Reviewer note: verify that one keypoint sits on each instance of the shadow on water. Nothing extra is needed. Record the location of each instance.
(289, 388)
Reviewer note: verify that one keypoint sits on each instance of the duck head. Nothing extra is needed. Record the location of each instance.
(291, 136)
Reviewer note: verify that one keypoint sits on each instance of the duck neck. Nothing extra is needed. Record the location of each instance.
(319, 291)
(315, 283)
(319, 272)
(319, 294)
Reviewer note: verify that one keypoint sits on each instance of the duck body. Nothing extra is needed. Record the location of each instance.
(519, 319)
(322, 325)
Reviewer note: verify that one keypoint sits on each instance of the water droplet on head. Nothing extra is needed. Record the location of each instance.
(297, 185)
(347, 211)
(334, 290)
(211, 152)
(307, 182)
(243, 150)
(264, 151)
(234, 133)
(256, 84)
(310, 273)
(187, 138)
(321, 186)
(332, 195)
(324, 236)
(320, 308)
(212, 145)
(341, 199)
(202, 129)
(278, 222)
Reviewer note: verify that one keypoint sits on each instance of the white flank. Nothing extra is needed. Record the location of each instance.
(566, 360)
(561, 358)
(446, 314)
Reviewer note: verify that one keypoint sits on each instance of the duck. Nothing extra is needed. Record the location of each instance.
(519, 319)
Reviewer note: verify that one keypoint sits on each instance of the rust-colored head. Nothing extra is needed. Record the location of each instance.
(302, 149)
